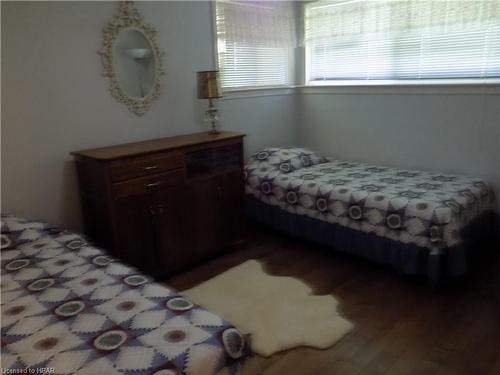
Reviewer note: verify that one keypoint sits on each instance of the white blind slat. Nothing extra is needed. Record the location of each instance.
(402, 39)
(254, 40)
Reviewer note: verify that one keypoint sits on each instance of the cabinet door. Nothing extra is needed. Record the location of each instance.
(231, 197)
(172, 229)
(205, 217)
(134, 231)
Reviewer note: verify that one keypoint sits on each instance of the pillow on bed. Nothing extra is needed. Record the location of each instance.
(288, 159)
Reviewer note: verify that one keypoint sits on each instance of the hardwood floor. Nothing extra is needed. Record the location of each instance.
(402, 327)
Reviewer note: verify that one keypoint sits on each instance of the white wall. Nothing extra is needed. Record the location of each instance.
(55, 100)
(455, 133)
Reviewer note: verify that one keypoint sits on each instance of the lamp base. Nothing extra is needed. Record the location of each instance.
(212, 116)
(214, 130)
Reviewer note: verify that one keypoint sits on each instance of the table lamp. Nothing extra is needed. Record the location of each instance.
(209, 88)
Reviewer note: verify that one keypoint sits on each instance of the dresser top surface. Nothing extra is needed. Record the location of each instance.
(155, 145)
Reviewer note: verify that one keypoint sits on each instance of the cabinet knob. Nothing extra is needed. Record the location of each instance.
(150, 167)
(153, 184)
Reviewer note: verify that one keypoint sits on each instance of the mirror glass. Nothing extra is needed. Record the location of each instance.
(134, 63)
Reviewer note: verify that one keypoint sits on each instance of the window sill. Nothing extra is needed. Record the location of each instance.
(367, 88)
(255, 92)
(430, 87)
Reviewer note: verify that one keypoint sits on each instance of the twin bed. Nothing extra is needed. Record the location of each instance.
(68, 307)
(417, 222)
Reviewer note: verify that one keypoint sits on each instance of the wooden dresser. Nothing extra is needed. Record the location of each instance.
(164, 204)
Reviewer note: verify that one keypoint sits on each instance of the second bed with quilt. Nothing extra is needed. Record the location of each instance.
(415, 221)
(69, 306)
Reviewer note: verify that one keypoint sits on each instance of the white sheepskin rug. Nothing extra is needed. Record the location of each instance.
(279, 312)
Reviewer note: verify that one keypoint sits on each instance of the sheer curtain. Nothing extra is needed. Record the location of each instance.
(402, 39)
(254, 43)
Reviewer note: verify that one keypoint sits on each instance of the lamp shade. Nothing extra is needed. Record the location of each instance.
(209, 85)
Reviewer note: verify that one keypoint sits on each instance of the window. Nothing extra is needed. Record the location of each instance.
(402, 40)
(254, 43)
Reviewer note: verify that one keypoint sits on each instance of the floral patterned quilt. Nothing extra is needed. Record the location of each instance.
(414, 207)
(69, 308)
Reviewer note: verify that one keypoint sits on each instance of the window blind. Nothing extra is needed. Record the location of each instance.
(402, 40)
(254, 43)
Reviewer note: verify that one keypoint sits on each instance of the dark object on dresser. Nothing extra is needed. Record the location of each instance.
(164, 204)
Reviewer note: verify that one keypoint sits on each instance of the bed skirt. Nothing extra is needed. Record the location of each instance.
(407, 259)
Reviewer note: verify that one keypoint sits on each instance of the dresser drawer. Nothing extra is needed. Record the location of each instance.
(143, 166)
(149, 183)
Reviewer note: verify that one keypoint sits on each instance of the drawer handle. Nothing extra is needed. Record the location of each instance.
(148, 168)
(153, 184)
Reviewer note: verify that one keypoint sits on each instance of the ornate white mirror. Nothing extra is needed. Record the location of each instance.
(131, 59)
